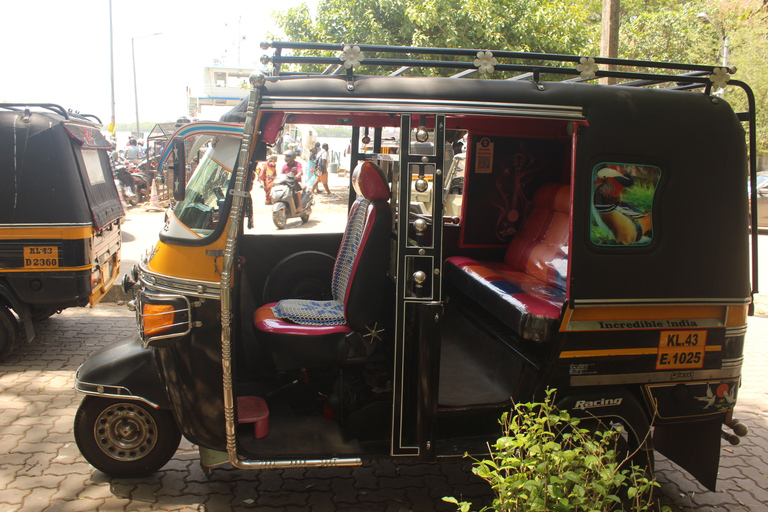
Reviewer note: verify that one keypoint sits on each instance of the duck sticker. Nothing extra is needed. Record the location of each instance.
(622, 201)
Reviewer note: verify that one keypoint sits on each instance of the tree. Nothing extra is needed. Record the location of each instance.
(546, 26)
(659, 30)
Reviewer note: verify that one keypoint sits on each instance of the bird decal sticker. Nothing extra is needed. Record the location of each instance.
(620, 219)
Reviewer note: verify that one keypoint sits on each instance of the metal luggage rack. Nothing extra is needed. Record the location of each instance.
(56, 109)
(341, 58)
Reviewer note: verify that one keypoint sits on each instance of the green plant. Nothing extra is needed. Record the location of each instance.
(545, 461)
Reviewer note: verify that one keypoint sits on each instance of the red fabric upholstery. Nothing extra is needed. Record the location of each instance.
(527, 290)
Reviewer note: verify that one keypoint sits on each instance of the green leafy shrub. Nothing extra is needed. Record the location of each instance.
(545, 461)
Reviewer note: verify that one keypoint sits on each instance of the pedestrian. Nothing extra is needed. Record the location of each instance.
(312, 159)
(321, 170)
(267, 173)
(133, 152)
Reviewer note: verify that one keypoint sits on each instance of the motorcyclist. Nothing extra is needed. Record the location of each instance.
(293, 166)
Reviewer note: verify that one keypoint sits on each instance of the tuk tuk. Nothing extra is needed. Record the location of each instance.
(60, 216)
(587, 247)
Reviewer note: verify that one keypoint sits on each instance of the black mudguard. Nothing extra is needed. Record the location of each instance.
(8, 296)
(126, 369)
(695, 446)
(618, 404)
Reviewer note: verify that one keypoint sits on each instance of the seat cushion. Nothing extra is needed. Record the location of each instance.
(310, 312)
(528, 305)
(295, 346)
(265, 320)
(527, 290)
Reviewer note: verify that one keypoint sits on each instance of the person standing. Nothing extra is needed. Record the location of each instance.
(321, 170)
(267, 173)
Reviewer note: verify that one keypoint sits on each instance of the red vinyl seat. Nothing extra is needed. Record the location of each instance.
(527, 290)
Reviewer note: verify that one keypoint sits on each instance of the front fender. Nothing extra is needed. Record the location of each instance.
(124, 370)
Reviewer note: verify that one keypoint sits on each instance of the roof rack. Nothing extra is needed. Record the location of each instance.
(469, 62)
(56, 109)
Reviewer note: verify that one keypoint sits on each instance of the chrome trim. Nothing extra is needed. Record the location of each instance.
(48, 225)
(228, 264)
(289, 103)
(178, 285)
(145, 341)
(730, 371)
(297, 463)
(110, 392)
(739, 330)
(735, 362)
(662, 302)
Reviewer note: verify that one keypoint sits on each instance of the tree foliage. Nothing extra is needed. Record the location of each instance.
(658, 30)
(545, 26)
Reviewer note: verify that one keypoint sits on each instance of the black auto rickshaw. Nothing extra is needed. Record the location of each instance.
(60, 216)
(597, 243)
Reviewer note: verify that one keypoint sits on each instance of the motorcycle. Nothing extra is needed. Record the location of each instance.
(142, 186)
(127, 184)
(285, 203)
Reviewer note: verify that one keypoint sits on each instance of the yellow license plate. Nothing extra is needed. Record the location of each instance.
(41, 257)
(680, 350)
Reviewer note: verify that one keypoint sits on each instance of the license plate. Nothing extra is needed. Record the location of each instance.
(41, 257)
(680, 350)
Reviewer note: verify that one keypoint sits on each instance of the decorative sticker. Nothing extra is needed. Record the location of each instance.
(622, 202)
(484, 156)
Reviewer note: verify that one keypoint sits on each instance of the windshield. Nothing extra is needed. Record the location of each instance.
(198, 214)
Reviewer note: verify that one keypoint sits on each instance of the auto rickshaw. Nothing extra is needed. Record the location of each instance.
(597, 243)
(60, 216)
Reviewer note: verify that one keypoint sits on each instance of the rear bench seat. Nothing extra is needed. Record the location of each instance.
(527, 290)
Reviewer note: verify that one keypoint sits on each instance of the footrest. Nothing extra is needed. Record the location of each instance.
(253, 409)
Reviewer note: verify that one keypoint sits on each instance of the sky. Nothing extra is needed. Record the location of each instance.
(54, 51)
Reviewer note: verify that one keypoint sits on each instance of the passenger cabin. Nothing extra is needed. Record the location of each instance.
(505, 237)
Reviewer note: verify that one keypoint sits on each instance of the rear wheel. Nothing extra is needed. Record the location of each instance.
(125, 438)
(39, 314)
(9, 333)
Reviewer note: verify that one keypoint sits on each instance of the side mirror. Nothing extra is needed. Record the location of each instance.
(179, 169)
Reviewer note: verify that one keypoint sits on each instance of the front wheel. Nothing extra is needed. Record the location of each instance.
(125, 438)
(279, 218)
(305, 218)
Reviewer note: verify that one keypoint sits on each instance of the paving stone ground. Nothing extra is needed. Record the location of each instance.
(41, 468)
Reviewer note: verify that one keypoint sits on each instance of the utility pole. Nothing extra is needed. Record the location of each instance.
(609, 38)
(111, 129)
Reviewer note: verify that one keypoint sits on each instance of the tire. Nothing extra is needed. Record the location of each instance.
(10, 334)
(305, 218)
(40, 314)
(279, 218)
(125, 438)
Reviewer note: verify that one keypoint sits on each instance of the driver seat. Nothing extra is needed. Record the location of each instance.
(307, 333)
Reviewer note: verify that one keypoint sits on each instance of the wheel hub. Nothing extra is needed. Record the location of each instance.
(125, 432)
